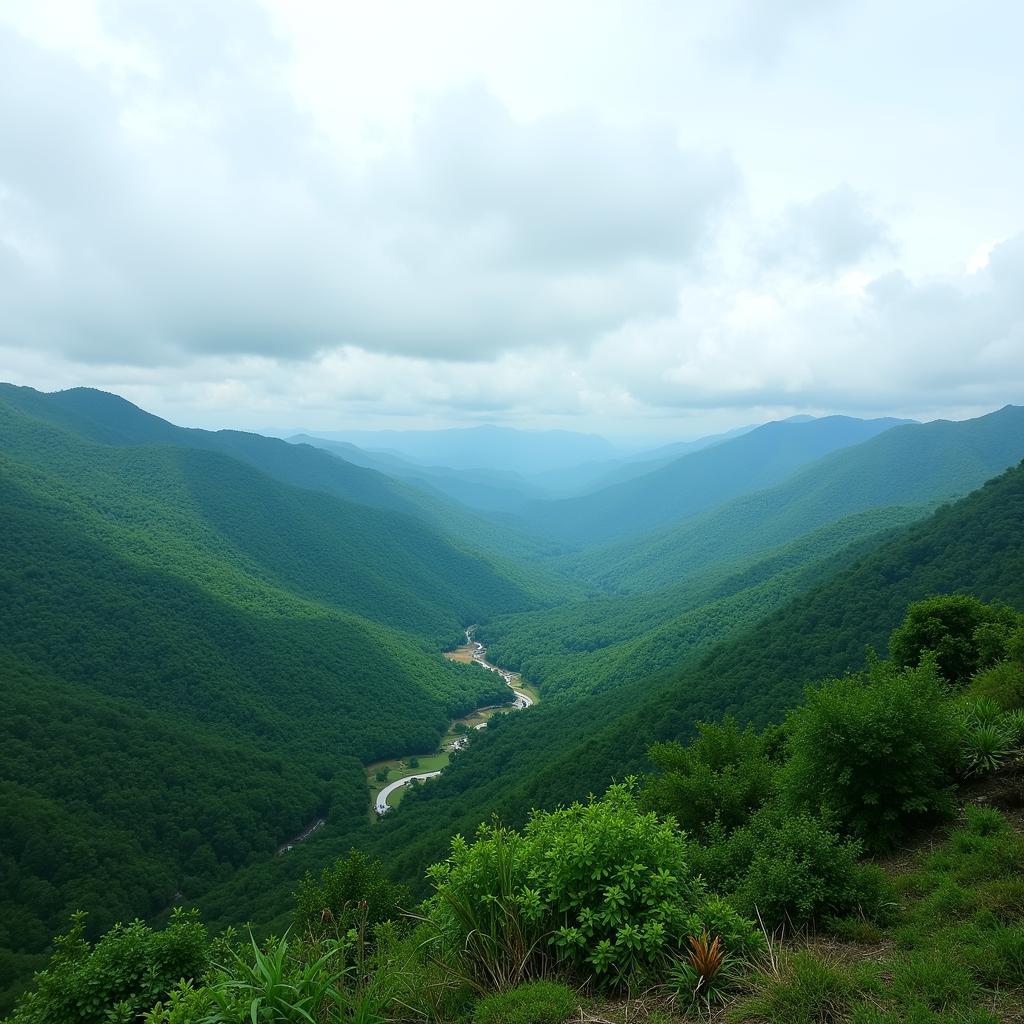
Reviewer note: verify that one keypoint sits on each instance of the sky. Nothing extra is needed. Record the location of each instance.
(649, 218)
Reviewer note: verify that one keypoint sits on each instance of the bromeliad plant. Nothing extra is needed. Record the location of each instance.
(705, 974)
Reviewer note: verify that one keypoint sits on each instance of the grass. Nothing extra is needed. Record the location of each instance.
(951, 951)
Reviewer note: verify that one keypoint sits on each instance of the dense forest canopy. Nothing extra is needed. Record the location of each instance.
(207, 637)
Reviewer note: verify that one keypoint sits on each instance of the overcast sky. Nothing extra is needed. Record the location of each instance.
(652, 217)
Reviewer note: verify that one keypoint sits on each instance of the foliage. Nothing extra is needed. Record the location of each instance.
(876, 751)
(353, 892)
(990, 736)
(535, 1002)
(963, 634)
(602, 887)
(129, 968)
(787, 868)
(272, 985)
(722, 776)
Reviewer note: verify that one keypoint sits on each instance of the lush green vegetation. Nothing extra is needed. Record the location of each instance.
(233, 646)
(601, 644)
(609, 897)
(563, 753)
(206, 637)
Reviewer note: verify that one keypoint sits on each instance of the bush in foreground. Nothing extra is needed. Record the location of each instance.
(875, 751)
(603, 889)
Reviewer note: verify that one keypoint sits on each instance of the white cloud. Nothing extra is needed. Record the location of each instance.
(586, 214)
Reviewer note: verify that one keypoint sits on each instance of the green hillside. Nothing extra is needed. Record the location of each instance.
(700, 480)
(110, 420)
(232, 648)
(586, 647)
(560, 753)
(915, 464)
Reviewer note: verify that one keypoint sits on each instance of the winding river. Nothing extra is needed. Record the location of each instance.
(520, 702)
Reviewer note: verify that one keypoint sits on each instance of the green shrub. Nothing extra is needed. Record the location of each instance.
(536, 1002)
(989, 736)
(351, 893)
(281, 985)
(185, 1004)
(789, 868)
(963, 633)
(602, 888)
(126, 972)
(875, 751)
(723, 775)
(1002, 683)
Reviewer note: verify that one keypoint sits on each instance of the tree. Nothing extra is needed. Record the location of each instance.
(963, 633)
(875, 751)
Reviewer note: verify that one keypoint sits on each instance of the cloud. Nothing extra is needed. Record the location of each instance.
(309, 213)
(198, 211)
(828, 234)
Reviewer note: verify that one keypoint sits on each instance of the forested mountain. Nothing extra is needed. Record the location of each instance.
(910, 465)
(717, 573)
(562, 753)
(485, 489)
(607, 641)
(110, 420)
(200, 657)
(700, 480)
(235, 647)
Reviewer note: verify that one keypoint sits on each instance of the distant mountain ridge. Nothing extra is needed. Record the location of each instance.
(700, 480)
(484, 447)
(914, 464)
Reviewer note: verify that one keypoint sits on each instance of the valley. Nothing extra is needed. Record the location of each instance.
(250, 629)
(386, 797)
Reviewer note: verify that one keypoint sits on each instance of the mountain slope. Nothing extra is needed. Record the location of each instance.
(110, 420)
(561, 754)
(916, 464)
(700, 480)
(236, 647)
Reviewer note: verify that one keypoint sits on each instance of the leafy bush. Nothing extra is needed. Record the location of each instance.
(962, 632)
(1002, 683)
(536, 1002)
(789, 868)
(602, 886)
(724, 775)
(875, 751)
(353, 892)
(125, 973)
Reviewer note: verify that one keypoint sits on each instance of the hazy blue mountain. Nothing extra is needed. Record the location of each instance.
(484, 447)
(700, 480)
(591, 476)
(911, 465)
(484, 489)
